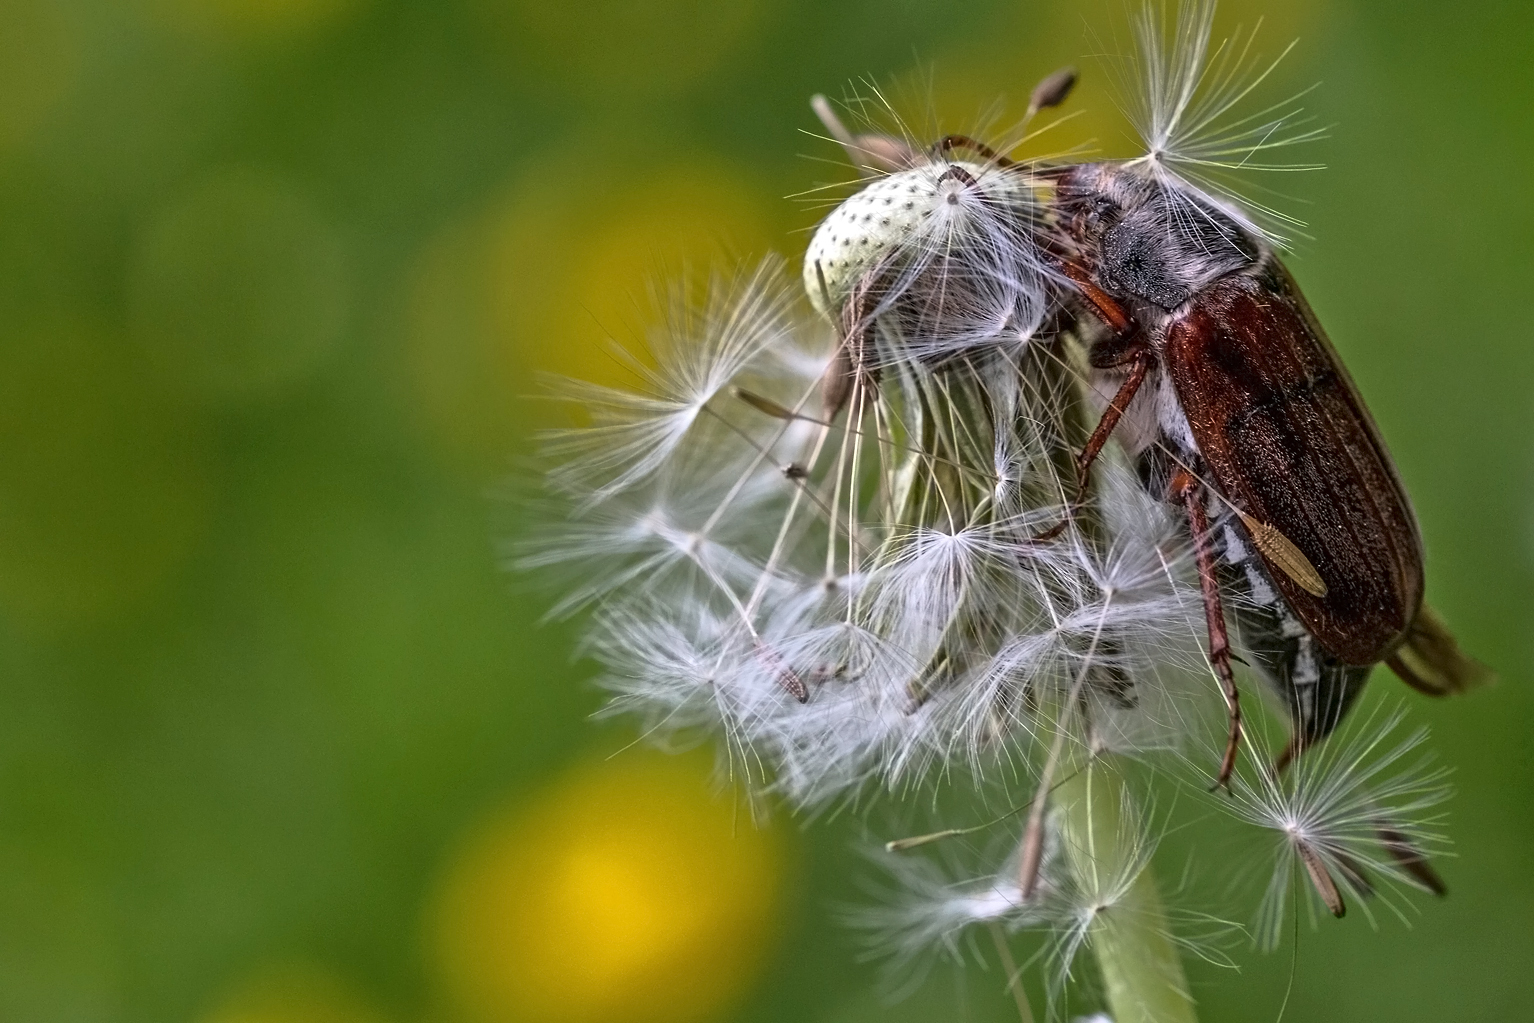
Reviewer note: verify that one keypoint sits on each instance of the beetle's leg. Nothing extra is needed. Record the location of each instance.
(1125, 347)
(1142, 361)
(1187, 489)
(1102, 303)
(959, 174)
(1140, 366)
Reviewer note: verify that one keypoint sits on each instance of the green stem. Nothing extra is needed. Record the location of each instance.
(1103, 840)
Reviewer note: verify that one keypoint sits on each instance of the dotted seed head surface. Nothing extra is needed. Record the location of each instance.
(904, 216)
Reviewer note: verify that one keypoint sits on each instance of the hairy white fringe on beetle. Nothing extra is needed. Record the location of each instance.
(852, 544)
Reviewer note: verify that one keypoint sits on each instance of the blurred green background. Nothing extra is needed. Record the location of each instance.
(280, 743)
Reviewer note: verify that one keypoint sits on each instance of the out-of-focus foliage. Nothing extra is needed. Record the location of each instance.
(278, 741)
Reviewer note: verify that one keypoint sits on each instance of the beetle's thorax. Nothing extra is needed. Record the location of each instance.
(1148, 240)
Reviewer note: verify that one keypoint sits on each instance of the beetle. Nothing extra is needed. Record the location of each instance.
(1235, 406)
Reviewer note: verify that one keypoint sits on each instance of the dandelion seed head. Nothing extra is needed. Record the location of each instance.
(946, 250)
(859, 603)
(845, 538)
(895, 217)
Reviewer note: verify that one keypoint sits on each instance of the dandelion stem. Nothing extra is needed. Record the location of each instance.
(1014, 975)
(1102, 838)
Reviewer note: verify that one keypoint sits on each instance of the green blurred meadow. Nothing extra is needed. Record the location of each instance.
(281, 742)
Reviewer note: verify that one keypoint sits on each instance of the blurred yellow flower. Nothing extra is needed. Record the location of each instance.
(570, 272)
(622, 894)
(549, 277)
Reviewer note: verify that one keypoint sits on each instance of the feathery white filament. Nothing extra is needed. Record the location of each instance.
(1185, 95)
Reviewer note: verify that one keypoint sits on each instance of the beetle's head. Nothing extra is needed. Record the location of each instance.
(1146, 237)
(1091, 200)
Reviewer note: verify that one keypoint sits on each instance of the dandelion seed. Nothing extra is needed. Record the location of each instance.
(1186, 94)
(1358, 815)
(697, 354)
(1093, 893)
